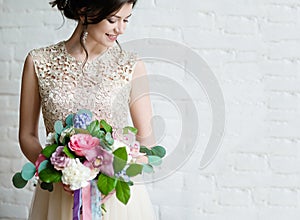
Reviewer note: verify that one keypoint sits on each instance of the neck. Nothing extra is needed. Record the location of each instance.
(74, 47)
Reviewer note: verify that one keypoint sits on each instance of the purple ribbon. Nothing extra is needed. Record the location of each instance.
(77, 204)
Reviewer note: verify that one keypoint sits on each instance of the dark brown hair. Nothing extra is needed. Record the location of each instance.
(94, 11)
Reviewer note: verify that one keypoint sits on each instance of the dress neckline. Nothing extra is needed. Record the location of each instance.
(66, 52)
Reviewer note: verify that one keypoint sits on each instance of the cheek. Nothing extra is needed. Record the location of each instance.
(100, 28)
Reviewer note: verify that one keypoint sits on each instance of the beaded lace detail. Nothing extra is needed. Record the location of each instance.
(103, 86)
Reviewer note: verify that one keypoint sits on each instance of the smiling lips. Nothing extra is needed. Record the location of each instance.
(112, 37)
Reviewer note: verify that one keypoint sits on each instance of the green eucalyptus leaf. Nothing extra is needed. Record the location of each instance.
(28, 171)
(18, 181)
(100, 134)
(69, 120)
(154, 160)
(56, 138)
(129, 128)
(109, 138)
(134, 169)
(158, 151)
(94, 128)
(104, 144)
(105, 126)
(147, 168)
(122, 192)
(47, 186)
(50, 175)
(68, 152)
(106, 184)
(145, 150)
(43, 165)
(85, 111)
(49, 150)
(58, 127)
(120, 159)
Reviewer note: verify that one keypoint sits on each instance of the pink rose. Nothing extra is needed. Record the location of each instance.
(135, 149)
(79, 143)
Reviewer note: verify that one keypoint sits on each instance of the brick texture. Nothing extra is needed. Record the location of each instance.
(252, 47)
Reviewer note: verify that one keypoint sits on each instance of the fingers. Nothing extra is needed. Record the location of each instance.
(67, 189)
(104, 198)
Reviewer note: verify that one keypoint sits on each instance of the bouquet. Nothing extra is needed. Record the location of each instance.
(93, 159)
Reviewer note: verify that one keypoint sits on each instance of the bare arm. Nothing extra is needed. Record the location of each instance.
(29, 112)
(140, 106)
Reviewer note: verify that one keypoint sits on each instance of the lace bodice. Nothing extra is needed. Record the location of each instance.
(103, 86)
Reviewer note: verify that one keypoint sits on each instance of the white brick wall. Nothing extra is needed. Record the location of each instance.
(252, 46)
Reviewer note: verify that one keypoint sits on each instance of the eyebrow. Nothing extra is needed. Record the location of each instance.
(120, 17)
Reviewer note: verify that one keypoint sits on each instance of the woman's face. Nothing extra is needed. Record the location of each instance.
(107, 31)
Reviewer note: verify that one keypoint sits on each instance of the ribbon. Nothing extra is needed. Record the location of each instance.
(95, 201)
(77, 204)
(86, 203)
(89, 199)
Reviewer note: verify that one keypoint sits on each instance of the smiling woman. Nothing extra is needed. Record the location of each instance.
(87, 71)
(99, 24)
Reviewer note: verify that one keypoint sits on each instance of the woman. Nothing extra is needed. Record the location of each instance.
(87, 71)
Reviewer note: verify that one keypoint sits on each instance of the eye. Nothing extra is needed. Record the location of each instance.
(110, 20)
(126, 20)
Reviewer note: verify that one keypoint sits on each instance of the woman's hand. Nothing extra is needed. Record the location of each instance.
(104, 198)
(67, 189)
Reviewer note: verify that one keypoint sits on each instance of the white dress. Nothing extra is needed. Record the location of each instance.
(104, 88)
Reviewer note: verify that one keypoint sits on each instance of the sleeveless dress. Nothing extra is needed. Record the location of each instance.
(103, 87)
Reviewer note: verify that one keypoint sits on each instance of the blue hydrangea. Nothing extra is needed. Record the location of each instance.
(122, 174)
(82, 120)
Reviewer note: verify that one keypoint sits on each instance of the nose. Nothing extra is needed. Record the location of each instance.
(120, 28)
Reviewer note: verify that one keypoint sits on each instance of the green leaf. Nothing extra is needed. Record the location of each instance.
(104, 144)
(100, 134)
(120, 159)
(81, 131)
(122, 192)
(130, 183)
(47, 186)
(106, 126)
(132, 129)
(154, 160)
(58, 127)
(94, 128)
(145, 150)
(43, 165)
(106, 184)
(134, 169)
(18, 181)
(56, 138)
(85, 111)
(69, 120)
(28, 171)
(147, 168)
(68, 152)
(103, 208)
(49, 150)
(109, 138)
(158, 151)
(50, 175)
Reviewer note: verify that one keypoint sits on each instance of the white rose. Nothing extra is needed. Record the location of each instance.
(50, 139)
(76, 175)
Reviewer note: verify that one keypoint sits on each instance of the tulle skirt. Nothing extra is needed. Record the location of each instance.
(58, 204)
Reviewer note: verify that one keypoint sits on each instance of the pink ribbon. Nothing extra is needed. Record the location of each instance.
(86, 203)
